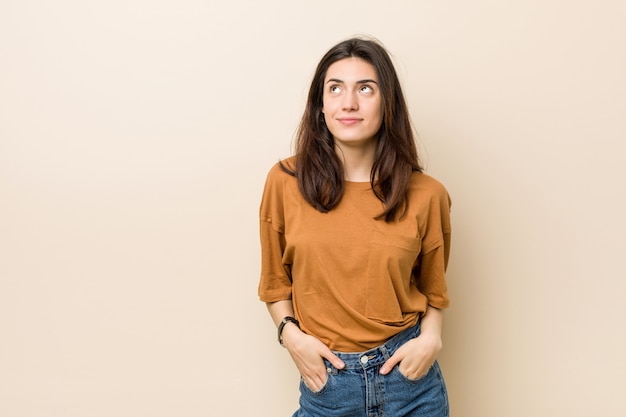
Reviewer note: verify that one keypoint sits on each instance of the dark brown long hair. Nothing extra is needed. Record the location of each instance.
(319, 170)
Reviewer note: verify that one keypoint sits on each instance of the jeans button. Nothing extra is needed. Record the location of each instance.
(364, 359)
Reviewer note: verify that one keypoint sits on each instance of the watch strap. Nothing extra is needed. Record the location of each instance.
(281, 326)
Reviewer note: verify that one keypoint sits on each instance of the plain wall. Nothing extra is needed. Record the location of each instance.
(135, 137)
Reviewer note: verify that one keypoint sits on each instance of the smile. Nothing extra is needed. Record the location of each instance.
(349, 121)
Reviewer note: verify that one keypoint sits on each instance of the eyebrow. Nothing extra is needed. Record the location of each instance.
(366, 81)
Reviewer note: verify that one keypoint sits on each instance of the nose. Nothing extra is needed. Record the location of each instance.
(350, 101)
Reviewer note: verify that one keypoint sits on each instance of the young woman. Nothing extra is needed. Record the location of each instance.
(355, 241)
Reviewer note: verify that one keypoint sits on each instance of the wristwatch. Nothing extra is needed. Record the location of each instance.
(281, 326)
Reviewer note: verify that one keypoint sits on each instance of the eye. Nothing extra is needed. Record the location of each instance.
(366, 89)
(335, 89)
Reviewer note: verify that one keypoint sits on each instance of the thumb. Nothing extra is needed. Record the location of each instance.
(390, 363)
(334, 359)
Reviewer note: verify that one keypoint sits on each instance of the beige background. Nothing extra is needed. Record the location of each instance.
(135, 137)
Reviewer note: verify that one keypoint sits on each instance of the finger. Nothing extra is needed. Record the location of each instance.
(316, 373)
(390, 363)
(411, 372)
(315, 382)
(419, 372)
(334, 359)
(311, 384)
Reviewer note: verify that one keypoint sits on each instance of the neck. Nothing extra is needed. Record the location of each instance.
(357, 162)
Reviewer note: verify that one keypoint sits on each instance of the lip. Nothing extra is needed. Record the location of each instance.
(348, 121)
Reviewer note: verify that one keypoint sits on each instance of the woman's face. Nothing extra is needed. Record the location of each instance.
(352, 103)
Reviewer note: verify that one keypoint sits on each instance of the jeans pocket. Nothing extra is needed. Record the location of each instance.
(304, 388)
(411, 380)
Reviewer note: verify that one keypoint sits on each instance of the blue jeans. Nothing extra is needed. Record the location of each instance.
(359, 390)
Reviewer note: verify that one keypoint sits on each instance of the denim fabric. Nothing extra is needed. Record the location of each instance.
(359, 390)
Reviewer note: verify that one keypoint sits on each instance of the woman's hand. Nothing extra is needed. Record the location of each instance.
(307, 352)
(415, 357)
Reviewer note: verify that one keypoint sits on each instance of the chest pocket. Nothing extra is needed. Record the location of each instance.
(390, 264)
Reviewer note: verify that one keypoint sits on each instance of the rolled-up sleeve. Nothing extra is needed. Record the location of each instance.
(430, 270)
(275, 280)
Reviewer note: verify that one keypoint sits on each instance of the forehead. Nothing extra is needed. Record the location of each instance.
(351, 70)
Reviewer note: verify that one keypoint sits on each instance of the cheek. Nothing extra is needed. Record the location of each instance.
(328, 121)
(325, 106)
(379, 116)
(376, 114)
(326, 112)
